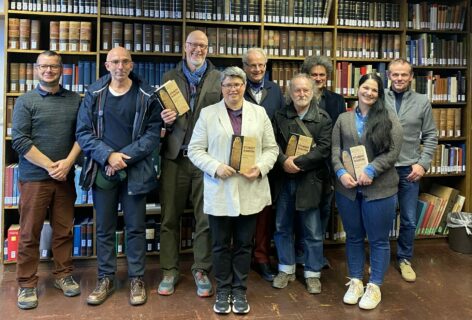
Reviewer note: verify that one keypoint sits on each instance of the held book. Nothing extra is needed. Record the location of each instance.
(355, 160)
(243, 153)
(171, 97)
(298, 145)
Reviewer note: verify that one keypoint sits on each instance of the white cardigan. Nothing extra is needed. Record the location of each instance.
(210, 146)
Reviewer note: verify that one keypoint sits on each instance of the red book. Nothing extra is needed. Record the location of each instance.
(13, 239)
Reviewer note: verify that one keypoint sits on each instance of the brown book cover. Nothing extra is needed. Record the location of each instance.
(9, 115)
(74, 35)
(14, 77)
(138, 37)
(157, 37)
(167, 38)
(35, 34)
(116, 34)
(229, 41)
(243, 153)
(270, 42)
(317, 43)
(450, 117)
(457, 122)
(106, 36)
(63, 35)
(13, 33)
(292, 43)
(128, 36)
(22, 77)
(245, 44)
(298, 145)
(212, 34)
(347, 162)
(171, 97)
(85, 36)
(300, 44)
(177, 39)
(236, 41)
(275, 74)
(25, 34)
(327, 43)
(442, 122)
(436, 117)
(359, 159)
(276, 43)
(29, 76)
(147, 38)
(221, 40)
(284, 43)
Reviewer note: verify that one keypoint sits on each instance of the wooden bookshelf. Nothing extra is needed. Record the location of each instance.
(333, 27)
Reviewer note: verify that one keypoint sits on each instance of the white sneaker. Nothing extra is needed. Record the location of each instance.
(371, 297)
(355, 291)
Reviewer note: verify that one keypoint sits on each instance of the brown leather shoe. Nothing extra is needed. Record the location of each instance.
(102, 291)
(137, 293)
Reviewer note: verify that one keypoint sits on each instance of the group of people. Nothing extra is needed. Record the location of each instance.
(120, 122)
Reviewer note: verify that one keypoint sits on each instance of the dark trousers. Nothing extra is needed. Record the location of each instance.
(231, 263)
(264, 232)
(35, 199)
(179, 180)
(134, 212)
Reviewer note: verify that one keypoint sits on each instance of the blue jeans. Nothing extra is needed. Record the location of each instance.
(408, 199)
(284, 236)
(374, 219)
(134, 209)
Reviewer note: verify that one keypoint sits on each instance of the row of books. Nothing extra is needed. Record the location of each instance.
(161, 9)
(83, 231)
(297, 11)
(441, 89)
(229, 41)
(224, 10)
(63, 35)
(371, 14)
(284, 43)
(282, 72)
(433, 207)
(24, 34)
(430, 50)
(11, 191)
(152, 72)
(448, 122)
(436, 16)
(348, 75)
(138, 37)
(449, 159)
(64, 6)
(75, 77)
(368, 45)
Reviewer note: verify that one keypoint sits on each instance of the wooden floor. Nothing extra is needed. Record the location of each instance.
(443, 290)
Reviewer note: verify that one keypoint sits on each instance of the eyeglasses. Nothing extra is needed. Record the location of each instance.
(44, 67)
(195, 45)
(124, 62)
(256, 66)
(236, 86)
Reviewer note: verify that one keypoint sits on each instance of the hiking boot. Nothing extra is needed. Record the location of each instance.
(240, 304)
(27, 298)
(68, 286)
(102, 291)
(166, 287)
(371, 297)
(137, 293)
(355, 291)
(204, 287)
(408, 274)
(313, 285)
(282, 279)
(223, 302)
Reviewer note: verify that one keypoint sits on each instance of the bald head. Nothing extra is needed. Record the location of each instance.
(119, 64)
(196, 48)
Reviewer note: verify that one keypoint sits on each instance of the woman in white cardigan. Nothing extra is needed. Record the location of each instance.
(230, 198)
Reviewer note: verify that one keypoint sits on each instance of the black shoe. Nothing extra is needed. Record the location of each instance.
(240, 304)
(265, 271)
(223, 302)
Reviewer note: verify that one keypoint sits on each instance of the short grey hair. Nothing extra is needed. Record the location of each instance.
(288, 98)
(313, 61)
(233, 72)
(50, 53)
(254, 50)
